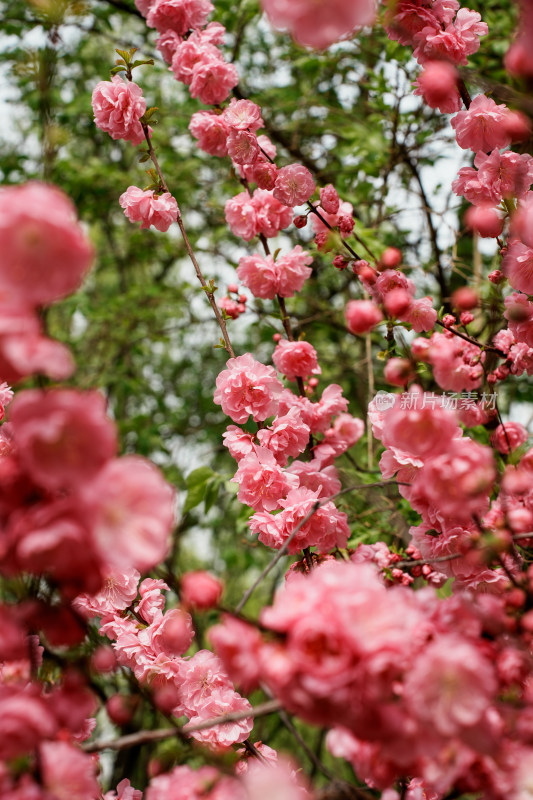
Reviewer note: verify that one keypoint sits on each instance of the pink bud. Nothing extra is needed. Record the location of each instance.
(465, 299)
(448, 320)
(300, 221)
(176, 632)
(466, 317)
(391, 258)
(233, 288)
(277, 337)
(200, 590)
(243, 298)
(485, 220)
(496, 276)
(340, 262)
(398, 371)
(103, 659)
(438, 85)
(396, 302)
(166, 697)
(121, 708)
(312, 383)
(362, 316)
(517, 126)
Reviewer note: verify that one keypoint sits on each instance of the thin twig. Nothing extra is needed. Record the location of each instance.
(190, 251)
(141, 737)
(283, 550)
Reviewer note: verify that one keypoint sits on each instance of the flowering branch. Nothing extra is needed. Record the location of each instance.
(142, 737)
(208, 288)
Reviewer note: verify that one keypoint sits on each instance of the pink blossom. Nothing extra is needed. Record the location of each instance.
(508, 437)
(344, 212)
(63, 436)
(152, 600)
(268, 755)
(438, 86)
(183, 782)
(420, 314)
(213, 79)
(242, 147)
(420, 430)
(457, 365)
(125, 791)
(519, 312)
(406, 18)
(178, 15)
(67, 773)
(486, 220)
(263, 173)
(248, 387)
(211, 131)
(130, 509)
(344, 433)
(319, 24)
(458, 481)
(167, 44)
(272, 216)
(149, 208)
(242, 115)
(521, 224)
(266, 278)
(118, 592)
(482, 126)
(197, 50)
(222, 701)
(517, 266)
(262, 482)
(44, 253)
(457, 41)
(200, 590)
(296, 359)
(118, 106)
(200, 676)
(171, 633)
(238, 442)
(241, 216)
(451, 685)
(329, 199)
(231, 307)
(326, 528)
(362, 316)
(238, 645)
(319, 478)
(294, 185)
(287, 437)
(276, 778)
(26, 721)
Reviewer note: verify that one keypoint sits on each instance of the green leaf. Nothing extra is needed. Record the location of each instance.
(200, 475)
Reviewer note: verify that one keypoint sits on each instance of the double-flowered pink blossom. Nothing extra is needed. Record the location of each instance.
(325, 529)
(118, 106)
(44, 252)
(176, 15)
(211, 131)
(266, 278)
(319, 24)
(294, 185)
(248, 387)
(249, 215)
(482, 126)
(286, 438)
(296, 359)
(149, 208)
(262, 482)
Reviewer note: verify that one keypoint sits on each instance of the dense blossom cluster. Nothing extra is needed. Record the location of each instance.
(428, 693)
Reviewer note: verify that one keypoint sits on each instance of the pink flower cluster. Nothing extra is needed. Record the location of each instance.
(44, 256)
(88, 509)
(267, 278)
(394, 293)
(404, 679)
(153, 645)
(442, 35)
(249, 215)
